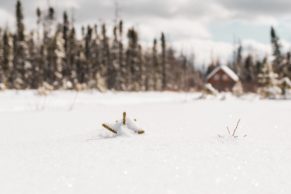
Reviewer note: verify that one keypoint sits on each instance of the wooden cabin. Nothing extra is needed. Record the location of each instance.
(222, 78)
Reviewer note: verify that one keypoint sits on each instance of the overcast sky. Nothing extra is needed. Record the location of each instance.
(206, 27)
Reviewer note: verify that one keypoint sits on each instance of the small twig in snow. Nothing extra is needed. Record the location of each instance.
(234, 131)
(228, 130)
(74, 101)
(124, 118)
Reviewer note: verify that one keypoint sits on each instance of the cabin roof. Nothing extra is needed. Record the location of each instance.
(226, 70)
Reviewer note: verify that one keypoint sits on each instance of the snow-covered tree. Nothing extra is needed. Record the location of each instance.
(268, 81)
(53, 57)
(267, 77)
(21, 64)
(8, 57)
(58, 59)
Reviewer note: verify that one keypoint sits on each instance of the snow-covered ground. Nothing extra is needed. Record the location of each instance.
(50, 145)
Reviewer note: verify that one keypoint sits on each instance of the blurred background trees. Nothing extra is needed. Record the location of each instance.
(54, 56)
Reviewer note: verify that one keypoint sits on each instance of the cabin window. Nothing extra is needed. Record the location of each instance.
(216, 77)
(225, 78)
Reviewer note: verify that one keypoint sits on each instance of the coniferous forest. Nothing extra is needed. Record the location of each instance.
(54, 57)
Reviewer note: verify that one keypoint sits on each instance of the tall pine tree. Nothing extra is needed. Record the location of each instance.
(163, 62)
(276, 46)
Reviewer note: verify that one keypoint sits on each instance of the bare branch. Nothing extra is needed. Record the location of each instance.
(109, 128)
(237, 124)
(228, 130)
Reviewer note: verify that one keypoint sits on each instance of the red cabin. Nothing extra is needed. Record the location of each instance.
(222, 78)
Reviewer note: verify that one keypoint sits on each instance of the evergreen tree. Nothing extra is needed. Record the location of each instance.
(248, 73)
(276, 46)
(148, 67)
(88, 55)
(106, 65)
(156, 67)
(65, 29)
(48, 20)
(97, 77)
(67, 65)
(121, 60)
(132, 59)
(267, 77)
(20, 50)
(163, 62)
(238, 64)
(19, 22)
(287, 66)
(80, 64)
(176, 75)
(8, 56)
(184, 71)
(32, 67)
(142, 70)
(56, 58)
(211, 67)
(2, 73)
(71, 57)
(38, 22)
(115, 71)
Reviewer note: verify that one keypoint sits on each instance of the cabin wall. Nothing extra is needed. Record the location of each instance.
(221, 81)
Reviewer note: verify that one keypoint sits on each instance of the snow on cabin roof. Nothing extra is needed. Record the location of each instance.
(226, 69)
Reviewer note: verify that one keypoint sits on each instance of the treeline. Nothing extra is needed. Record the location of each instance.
(53, 56)
(256, 73)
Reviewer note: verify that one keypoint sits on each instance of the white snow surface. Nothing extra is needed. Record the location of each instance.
(49, 146)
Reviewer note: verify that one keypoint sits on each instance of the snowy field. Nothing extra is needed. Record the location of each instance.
(50, 145)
